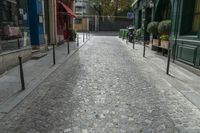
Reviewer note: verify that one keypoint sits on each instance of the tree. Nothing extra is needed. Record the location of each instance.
(112, 7)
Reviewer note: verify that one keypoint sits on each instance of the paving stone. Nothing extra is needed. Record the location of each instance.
(103, 89)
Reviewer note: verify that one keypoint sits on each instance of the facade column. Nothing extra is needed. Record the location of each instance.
(36, 20)
(53, 21)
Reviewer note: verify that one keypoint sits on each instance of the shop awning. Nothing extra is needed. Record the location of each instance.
(68, 10)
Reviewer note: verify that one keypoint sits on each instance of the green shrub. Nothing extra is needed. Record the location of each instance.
(164, 27)
(139, 33)
(72, 34)
(152, 28)
(164, 38)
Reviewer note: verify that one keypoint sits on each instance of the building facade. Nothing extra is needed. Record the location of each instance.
(185, 30)
(37, 23)
(14, 33)
(86, 15)
(31, 24)
(14, 25)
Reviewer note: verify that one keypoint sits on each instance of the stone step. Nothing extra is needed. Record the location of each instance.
(38, 55)
(35, 51)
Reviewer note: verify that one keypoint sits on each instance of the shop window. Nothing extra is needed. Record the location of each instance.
(78, 21)
(163, 10)
(190, 23)
(196, 18)
(140, 19)
(14, 30)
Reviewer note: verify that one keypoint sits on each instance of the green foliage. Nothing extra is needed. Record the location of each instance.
(164, 38)
(164, 27)
(112, 7)
(72, 34)
(152, 28)
(139, 33)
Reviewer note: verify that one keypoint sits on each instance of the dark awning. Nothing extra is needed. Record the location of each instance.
(68, 10)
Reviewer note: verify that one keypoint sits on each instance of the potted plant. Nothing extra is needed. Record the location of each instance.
(164, 41)
(72, 34)
(152, 28)
(164, 29)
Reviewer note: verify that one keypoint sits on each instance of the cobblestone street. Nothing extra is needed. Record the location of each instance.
(102, 89)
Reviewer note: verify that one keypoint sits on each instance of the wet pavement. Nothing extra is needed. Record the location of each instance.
(101, 89)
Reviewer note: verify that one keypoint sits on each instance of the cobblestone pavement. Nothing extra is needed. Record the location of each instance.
(101, 89)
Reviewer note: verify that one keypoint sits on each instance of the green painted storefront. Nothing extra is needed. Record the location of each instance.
(185, 34)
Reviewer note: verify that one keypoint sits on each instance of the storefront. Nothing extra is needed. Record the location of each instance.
(14, 25)
(185, 31)
(37, 24)
(65, 17)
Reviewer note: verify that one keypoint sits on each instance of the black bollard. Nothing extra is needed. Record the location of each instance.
(133, 44)
(54, 55)
(77, 40)
(144, 49)
(68, 50)
(168, 61)
(18, 43)
(21, 73)
(83, 37)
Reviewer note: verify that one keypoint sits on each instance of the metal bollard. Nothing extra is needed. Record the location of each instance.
(54, 55)
(144, 49)
(18, 43)
(21, 73)
(83, 37)
(77, 40)
(168, 61)
(68, 50)
(133, 43)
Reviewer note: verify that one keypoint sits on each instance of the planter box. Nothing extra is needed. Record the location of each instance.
(165, 44)
(155, 42)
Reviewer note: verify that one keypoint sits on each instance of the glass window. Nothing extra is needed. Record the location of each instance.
(14, 27)
(196, 18)
(78, 21)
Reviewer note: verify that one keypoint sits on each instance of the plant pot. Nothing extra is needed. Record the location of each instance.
(155, 42)
(165, 44)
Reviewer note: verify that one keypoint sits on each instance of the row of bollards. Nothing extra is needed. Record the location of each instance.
(54, 60)
(144, 54)
(168, 60)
